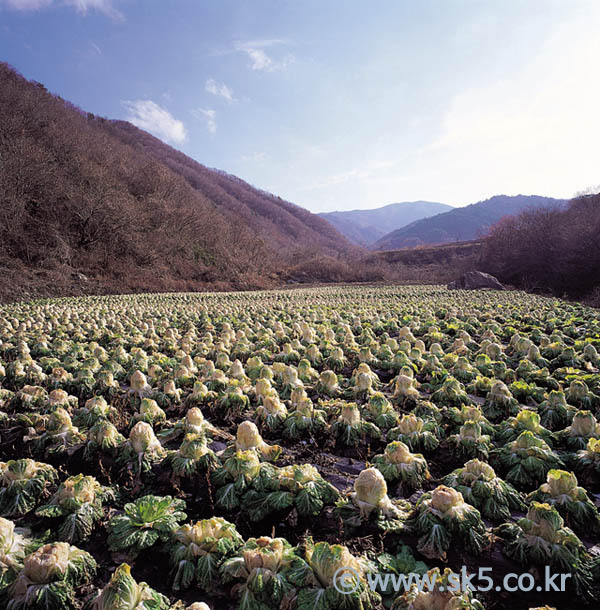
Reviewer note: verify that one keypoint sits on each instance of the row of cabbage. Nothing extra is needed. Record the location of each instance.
(262, 573)
(503, 382)
(443, 518)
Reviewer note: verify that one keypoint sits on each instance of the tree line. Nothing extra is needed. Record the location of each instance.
(553, 250)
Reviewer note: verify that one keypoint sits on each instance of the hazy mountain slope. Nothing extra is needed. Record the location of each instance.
(461, 224)
(365, 227)
(80, 193)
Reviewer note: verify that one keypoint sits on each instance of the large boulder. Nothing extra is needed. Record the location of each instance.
(476, 280)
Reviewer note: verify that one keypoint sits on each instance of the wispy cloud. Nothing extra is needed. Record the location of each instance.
(265, 42)
(256, 157)
(81, 6)
(101, 6)
(209, 116)
(369, 171)
(148, 115)
(259, 59)
(219, 89)
(25, 5)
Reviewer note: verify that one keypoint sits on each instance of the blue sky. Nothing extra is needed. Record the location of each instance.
(337, 104)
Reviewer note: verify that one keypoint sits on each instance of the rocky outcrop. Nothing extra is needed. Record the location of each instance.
(476, 280)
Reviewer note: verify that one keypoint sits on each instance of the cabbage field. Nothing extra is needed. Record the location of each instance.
(236, 450)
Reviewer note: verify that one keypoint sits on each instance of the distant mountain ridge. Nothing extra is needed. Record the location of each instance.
(461, 224)
(365, 227)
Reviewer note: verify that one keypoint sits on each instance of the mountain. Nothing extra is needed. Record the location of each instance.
(284, 225)
(82, 196)
(365, 227)
(461, 224)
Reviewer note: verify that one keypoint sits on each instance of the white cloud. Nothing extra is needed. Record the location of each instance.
(209, 116)
(25, 5)
(259, 59)
(256, 157)
(148, 115)
(371, 171)
(81, 6)
(219, 89)
(101, 6)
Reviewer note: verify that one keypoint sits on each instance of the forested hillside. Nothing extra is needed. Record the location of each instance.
(550, 249)
(81, 195)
